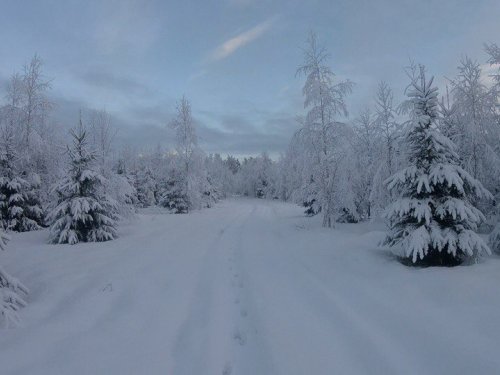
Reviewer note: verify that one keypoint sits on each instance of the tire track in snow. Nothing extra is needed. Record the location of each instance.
(204, 342)
(252, 354)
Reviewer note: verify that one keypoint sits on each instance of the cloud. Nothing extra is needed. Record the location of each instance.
(197, 75)
(103, 78)
(230, 46)
(125, 25)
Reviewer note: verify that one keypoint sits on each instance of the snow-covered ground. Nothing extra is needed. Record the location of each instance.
(247, 287)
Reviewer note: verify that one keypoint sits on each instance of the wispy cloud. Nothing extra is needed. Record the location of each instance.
(105, 79)
(232, 45)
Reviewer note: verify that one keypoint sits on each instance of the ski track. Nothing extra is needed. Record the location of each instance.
(248, 287)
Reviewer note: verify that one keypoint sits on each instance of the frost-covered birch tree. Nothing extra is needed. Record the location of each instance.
(324, 99)
(364, 161)
(493, 51)
(387, 127)
(387, 133)
(477, 130)
(118, 182)
(433, 221)
(26, 113)
(187, 187)
(36, 103)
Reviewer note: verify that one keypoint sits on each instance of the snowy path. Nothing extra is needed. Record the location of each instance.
(248, 287)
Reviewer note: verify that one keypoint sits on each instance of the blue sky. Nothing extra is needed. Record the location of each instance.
(234, 59)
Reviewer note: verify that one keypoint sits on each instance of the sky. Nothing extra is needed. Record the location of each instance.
(235, 60)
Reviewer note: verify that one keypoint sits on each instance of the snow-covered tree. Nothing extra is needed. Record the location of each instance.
(233, 164)
(258, 177)
(493, 51)
(173, 194)
(387, 133)
(20, 207)
(477, 131)
(495, 239)
(189, 179)
(265, 177)
(321, 134)
(387, 128)
(146, 187)
(119, 182)
(364, 161)
(219, 176)
(35, 101)
(121, 187)
(101, 135)
(433, 221)
(36, 141)
(12, 293)
(84, 212)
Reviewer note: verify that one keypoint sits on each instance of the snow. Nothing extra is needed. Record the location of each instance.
(247, 287)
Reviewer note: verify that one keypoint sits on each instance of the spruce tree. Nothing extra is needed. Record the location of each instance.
(20, 207)
(146, 187)
(434, 219)
(84, 212)
(12, 293)
(173, 195)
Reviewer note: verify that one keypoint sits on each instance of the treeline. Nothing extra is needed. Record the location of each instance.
(429, 164)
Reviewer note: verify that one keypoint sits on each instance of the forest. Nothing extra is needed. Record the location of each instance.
(427, 168)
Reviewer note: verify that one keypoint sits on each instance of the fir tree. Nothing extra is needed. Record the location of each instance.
(12, 293)
(84, 212)
(173, 195)
(20, 207)
(433, 220)
(146, 187)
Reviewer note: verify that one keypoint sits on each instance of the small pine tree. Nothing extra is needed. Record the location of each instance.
(173, 195)
(84, 212)
(34, 216)
(433, 220)
(310, 197)
(12, 293)
(146, 187)
(20, 207)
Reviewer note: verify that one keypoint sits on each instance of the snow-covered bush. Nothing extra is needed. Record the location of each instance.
(433, 220)
(120, 186)
(12, 293)
(84, 212)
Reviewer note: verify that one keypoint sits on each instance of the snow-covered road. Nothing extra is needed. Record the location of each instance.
(247, 287)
